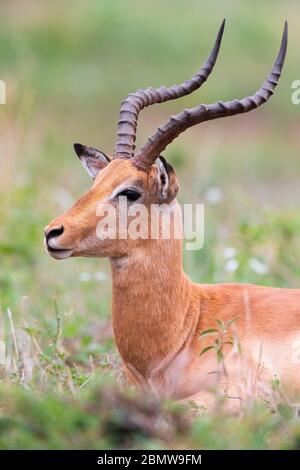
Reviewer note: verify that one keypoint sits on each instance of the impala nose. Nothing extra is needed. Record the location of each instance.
(53, 232)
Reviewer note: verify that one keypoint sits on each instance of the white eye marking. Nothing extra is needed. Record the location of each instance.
(120, 188)
(117, 190)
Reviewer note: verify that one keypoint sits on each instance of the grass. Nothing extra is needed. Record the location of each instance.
(66, 71)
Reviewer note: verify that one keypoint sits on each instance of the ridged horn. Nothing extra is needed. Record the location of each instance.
(135, 102)
(166, 133)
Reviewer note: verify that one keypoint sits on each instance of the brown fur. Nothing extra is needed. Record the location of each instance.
(158, 313)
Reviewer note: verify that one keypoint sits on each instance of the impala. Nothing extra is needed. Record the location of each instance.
(158, 314)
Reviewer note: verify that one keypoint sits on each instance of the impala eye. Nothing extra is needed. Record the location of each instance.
(130, 194)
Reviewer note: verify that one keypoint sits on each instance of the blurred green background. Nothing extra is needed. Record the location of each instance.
(67, 66)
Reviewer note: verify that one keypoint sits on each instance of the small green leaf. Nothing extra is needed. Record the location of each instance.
(220, 323)
(208, 348)
(220, 355)
(230, 322)
(31, 331)
(275, 384)
(209, 331)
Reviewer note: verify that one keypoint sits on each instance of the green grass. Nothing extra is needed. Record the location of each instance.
(105, 418)
(66, 70)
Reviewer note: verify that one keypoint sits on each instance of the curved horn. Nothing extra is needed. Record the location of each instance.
(137, 101)
(189, 117)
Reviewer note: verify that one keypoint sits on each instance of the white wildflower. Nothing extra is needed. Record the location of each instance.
(85, 277)
(100, 276)
(258, 266)
(214, 195)
(229, 252)
(232, 265)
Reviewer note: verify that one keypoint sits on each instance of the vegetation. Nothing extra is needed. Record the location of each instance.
(67, 69)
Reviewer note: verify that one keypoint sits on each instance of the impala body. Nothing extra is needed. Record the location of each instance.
(158, 314)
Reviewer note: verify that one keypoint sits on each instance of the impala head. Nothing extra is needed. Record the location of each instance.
(78, 232)
(142, 177)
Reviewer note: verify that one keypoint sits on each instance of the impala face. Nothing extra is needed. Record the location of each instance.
(77, 232)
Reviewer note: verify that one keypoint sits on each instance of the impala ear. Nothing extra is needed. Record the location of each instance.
(92, 159)
(167, 184)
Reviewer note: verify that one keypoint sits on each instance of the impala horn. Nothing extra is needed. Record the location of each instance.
(139, 100)
(177, 124)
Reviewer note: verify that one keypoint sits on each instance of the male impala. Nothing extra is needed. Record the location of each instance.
(158, 313)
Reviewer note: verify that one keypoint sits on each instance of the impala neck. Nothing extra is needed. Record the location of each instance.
(151, 304)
